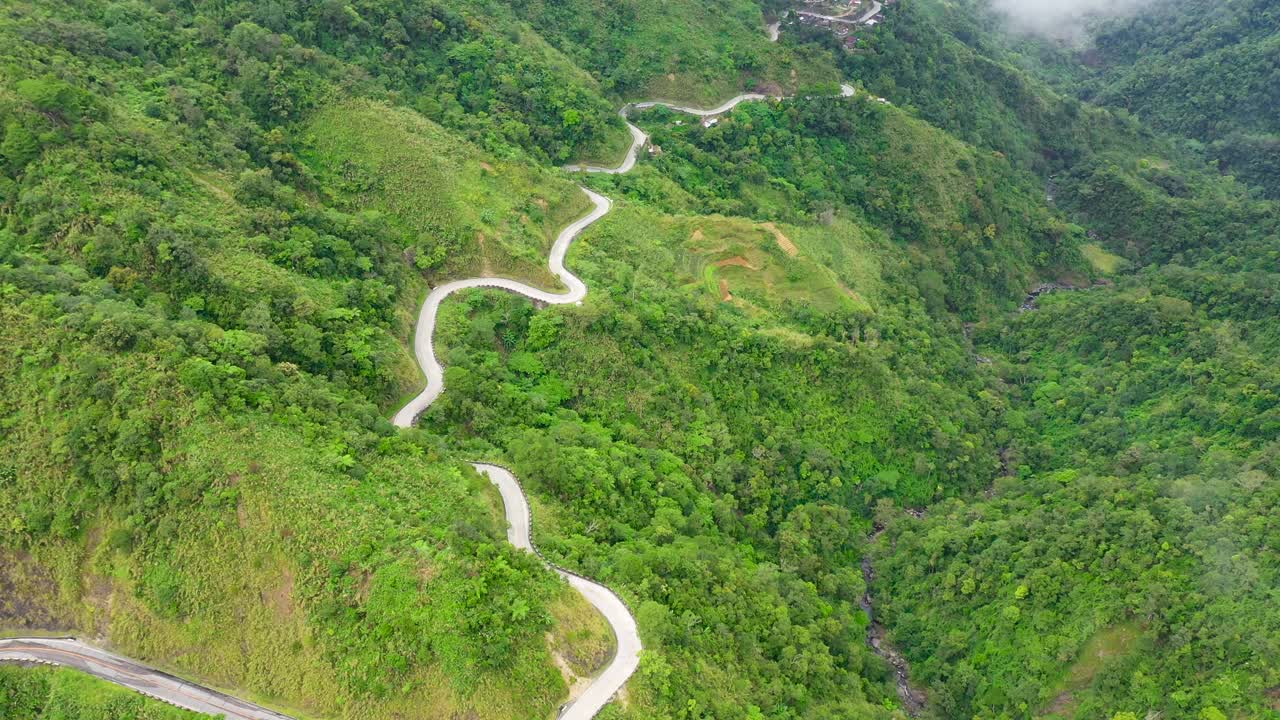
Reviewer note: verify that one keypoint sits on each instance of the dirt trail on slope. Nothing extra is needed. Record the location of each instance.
(784, 242)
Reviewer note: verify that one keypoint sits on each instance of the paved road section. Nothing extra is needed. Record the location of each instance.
(844, 19)
(626, 657)
(426, 327)
(639, 137)
(875, 8)
(123, 671)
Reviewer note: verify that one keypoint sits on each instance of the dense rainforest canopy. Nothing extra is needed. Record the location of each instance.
(801, 406)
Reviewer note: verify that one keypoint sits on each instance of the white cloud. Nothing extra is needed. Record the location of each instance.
(1064, 19)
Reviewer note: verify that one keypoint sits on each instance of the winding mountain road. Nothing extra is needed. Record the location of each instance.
(168, 688)
(639, 137)
(626, 657)
(426, 327)
(627, 654)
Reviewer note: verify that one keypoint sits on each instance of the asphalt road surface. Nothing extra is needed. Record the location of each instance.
(131, 674)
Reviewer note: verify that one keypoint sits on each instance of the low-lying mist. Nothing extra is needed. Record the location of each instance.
(1063, 19)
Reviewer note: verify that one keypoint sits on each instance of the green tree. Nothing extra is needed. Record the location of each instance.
(19, 147)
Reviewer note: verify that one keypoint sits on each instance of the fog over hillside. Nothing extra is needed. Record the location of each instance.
(1062, 19)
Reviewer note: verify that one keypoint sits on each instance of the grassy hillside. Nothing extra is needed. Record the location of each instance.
(465, 212)
(978, 228)
(757, 266)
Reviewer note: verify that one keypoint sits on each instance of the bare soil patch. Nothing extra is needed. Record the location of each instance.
(218, 192)
(485, 267)
(736, 261)
(99, 594)
(578, 684)
(280, 599)
(364, 582)
(427, 572)
(28, 595)
(1063, 704)
(769, 88)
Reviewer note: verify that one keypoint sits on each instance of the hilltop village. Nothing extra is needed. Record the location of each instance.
(843, 19)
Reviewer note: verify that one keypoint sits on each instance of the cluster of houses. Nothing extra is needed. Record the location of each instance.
(844, 19)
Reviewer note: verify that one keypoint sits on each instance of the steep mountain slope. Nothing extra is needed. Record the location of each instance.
(1121, 561)
(1205, 70)
(686, 51)
(204, 314)
(798, 398)
(197, 345)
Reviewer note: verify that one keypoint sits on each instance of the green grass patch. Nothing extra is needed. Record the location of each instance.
(580, 637)
(1098, 650)
(1101, 260)
(1103, 646)
(710, 281)
(274, 577)
(608, 153)
(753, 263)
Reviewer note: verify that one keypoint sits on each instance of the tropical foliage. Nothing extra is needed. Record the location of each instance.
(798, 398)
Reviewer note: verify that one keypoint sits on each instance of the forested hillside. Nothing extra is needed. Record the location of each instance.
(1206, 73)
(1121, 560)
(218, 219)
(1205, 70)
(799, 409)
